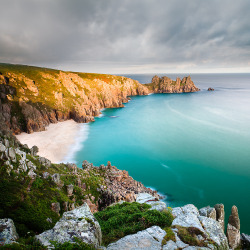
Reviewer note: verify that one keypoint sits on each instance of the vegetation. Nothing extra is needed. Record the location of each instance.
(28, 201)
(128, 218)
(32, 244)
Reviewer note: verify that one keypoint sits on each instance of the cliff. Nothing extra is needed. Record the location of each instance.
(166, 85)
(31, 97)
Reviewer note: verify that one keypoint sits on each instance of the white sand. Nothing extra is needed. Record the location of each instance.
(58, 142)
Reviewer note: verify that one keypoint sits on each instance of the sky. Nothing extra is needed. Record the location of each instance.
(127, 36)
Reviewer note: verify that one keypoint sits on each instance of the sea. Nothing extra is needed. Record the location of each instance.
(190, 147)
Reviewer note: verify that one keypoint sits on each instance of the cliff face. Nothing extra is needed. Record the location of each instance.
(31, 97)
(166, 85)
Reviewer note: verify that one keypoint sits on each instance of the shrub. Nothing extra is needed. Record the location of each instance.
(128, 218)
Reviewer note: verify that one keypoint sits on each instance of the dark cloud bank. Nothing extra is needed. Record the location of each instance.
(127, 36)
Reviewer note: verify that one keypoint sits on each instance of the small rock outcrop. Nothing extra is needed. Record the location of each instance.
(151, 200)
(206, 230)
(8, 234)
(151, 238)
(209, 212)
(220, 215)
(233, 228)
(210, 89)
(120, 187)
(79, 223)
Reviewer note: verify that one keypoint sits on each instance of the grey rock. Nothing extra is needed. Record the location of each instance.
(214, 231)
(245, 240)
(171, 245)
(21, 154)
(151, 200)
(188, 220)
(2, 148)
(56, 178)
(8, 234)
(44, 161)
(209, 212)
(6, 143)
(74, 224)
(34, 150)
(220, 215)
(31, 165)
(148, 239)
(32, 174)
(12, 154)
(179, 243)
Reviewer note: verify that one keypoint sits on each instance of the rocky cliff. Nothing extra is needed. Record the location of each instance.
(31, 98)
(166, 85)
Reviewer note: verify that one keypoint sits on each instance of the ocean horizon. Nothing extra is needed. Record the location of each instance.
(191, 147)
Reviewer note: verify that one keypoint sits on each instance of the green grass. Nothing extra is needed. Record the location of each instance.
(128, 218)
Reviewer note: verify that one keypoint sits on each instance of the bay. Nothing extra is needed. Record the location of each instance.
(192, 147)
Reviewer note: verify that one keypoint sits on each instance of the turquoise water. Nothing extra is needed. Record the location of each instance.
(193, 148)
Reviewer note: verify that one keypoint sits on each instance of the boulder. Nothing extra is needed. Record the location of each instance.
(152, 201)
(78, 223)
(56, 178)
(44, 161)
(8, 232)
(12, 154)
(214, 231)
(220, 215)
(210, 89)
(148, 239)
(204, 229)
(208, 211)
(233, 228)
(2, 148)
(34, 150)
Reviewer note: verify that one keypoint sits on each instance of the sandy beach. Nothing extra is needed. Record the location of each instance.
(58, 142)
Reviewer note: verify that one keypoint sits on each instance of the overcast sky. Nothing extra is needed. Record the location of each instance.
(127, 36)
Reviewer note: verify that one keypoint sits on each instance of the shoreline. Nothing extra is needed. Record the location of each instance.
(59, 142)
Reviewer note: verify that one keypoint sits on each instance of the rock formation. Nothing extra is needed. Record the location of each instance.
(210, 89)
(220, 215)
(233, 228)
(79, 223)
(166, 85)
(8, 234)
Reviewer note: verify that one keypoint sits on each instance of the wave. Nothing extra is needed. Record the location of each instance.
(78, 144)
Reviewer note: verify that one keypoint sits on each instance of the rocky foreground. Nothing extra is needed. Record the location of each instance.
(31, 98)
(56, 202)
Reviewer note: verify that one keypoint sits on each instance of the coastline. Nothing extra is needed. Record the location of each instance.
(59, 142)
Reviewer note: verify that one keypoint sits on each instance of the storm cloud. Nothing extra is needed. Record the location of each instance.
(125, 36)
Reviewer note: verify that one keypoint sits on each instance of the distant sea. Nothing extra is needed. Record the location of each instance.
(192, 147)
